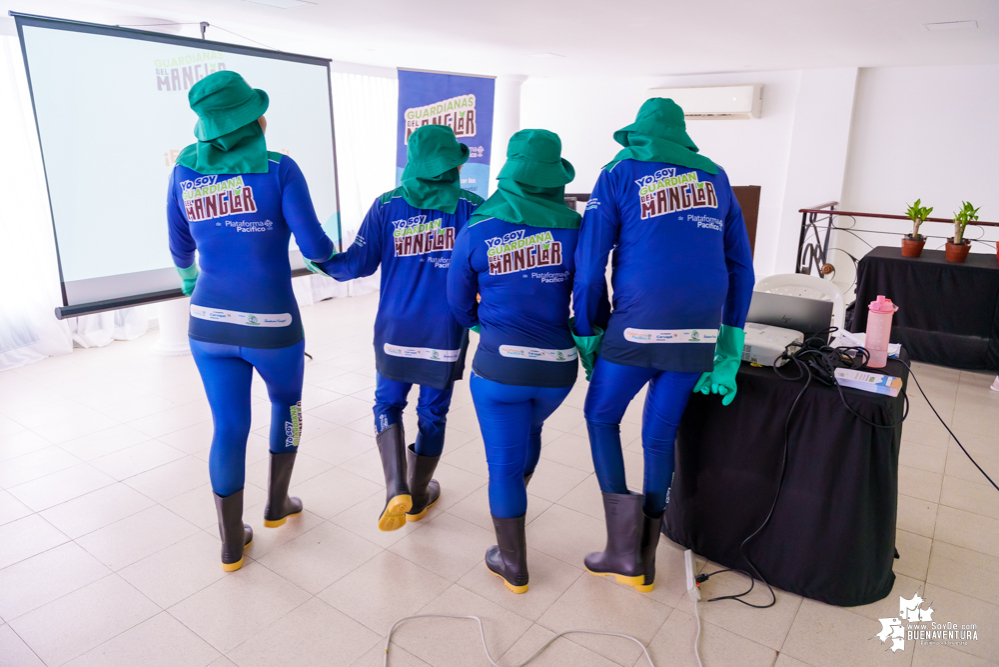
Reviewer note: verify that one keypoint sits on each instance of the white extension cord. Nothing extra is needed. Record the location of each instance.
(695, 594)
(482, 633)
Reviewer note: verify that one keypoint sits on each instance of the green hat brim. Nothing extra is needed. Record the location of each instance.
(536, 173)
(437, 165)
(225, 121)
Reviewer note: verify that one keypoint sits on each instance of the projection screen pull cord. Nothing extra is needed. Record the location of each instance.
(482, 634)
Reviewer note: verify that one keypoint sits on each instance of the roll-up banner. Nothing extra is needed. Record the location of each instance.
(462, 102)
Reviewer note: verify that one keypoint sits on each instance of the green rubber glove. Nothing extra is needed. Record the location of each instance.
(588, 346)
(477, 328)
(728, 356)
(312, 266)
(188, 278)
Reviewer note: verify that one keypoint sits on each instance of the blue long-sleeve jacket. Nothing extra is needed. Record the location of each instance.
(682, 264)
(524, 275)
(241, 226)
(416, 338)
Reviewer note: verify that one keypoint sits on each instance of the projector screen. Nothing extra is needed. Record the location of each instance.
(112, 114)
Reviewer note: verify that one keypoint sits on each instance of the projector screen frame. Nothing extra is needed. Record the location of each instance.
(54, 23)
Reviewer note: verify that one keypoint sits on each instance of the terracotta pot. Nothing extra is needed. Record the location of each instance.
(958, 252)
(912, 248)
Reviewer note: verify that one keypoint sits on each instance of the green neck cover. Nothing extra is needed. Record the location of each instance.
(646, 148)
(438, 193)
(242, 151)
(521, 204)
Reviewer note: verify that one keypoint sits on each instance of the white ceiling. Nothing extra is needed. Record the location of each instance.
(596, 37)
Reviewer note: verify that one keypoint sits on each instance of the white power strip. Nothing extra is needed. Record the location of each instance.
(695, 594)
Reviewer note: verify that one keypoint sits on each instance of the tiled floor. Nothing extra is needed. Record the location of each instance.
(109, 551)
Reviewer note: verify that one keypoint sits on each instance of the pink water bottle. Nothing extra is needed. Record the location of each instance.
(879, 331)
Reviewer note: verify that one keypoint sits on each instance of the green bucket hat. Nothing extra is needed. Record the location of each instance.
(534, 157)
(433, 150)
(659, 117)
(224, 102)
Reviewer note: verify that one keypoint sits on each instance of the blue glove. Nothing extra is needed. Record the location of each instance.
(315, 268)
(188, 278)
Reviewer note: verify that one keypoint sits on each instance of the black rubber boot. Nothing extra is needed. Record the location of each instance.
(398, 501)
(508, 559)
(622, 558)
(650, 540)
(423, 488)
(279, 505)
(235, 534)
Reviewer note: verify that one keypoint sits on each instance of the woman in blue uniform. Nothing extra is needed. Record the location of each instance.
(517, 252)
(410, 233)
(237, 204)
(683, 277)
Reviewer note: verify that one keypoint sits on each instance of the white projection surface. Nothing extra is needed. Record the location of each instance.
(113, 114)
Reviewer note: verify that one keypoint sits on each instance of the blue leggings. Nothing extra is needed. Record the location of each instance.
(227, 372)
(431, 412)
(511, 418)
(611, 390)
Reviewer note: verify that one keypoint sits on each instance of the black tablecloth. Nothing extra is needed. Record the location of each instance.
(948, 312)
(832, 534)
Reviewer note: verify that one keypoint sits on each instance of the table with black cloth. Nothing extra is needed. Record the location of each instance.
(832, 534)
(948, 311)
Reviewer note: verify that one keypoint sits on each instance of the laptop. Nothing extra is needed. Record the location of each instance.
(809, 316)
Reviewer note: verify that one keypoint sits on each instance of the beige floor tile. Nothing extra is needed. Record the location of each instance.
(266, 539)
(73, 482)
(8, 426)
(971, 531)
(383, 590)
(40, 463)
(566, 534)
(451, 642)
(784, 660)
(344, 410)
(338, 445)
(470, 457)
(86, 618)
(765, 626)
(945, 656)
(929, 433)
(190, 440)
(919, 483)
(888, 606)
(586, 498)
(550, 578)
(398, 657)
(171, 420)
(447, 546)
(162, 641)
(331, 492)
(962, 609)
(63, 430)
(27, 537)
(553, 480)
(596, 603)
(14, 652)
(924, 457)
(916, 515)
(565, 418)
(914, 554)
(20, 443)
(104, 442)
(362, 520)
(11, 509)
(367, 465)
(178, 571)
(238, 606)
(561, 653)
(136, 459)
(456, 485)
(36, 581)
(312, 635)
(198, 504)
(959, 466)
(977, 416)
(571, 450)
(964, 571)
(827, 636)
(319, 557)
(171, 479)
(970, 496)
(95, 510)
(674, 645)
(133, 538)
(348, 383)
(474, 508)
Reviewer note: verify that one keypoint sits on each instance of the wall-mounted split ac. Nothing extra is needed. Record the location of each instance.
(716, 102)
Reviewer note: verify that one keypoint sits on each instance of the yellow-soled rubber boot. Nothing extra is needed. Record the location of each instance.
(651, 529)
(398, 501)
(280, 505)
(424, 489)
(235, 534)
(622, 559)
(508, 558)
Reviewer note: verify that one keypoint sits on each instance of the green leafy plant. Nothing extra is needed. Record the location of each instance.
(918, 215)
(968, 213)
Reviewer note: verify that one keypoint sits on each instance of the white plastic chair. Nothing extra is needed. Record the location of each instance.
(808, 287)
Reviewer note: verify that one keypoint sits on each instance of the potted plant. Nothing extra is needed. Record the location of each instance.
(912, 244)
(957, 245)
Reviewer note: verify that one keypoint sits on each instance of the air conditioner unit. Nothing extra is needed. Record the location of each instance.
(715, 102)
